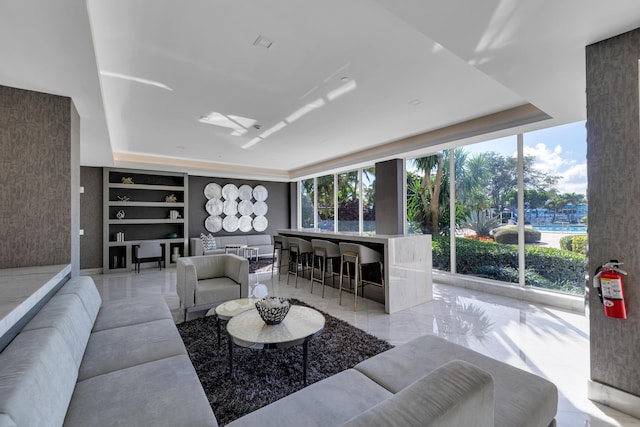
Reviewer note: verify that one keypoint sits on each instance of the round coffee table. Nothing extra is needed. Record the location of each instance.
(228, 309)
(301, 325)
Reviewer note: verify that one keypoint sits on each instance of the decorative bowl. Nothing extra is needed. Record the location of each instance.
(273, 310)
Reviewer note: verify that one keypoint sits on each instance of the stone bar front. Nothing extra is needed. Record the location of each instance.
(407, 263)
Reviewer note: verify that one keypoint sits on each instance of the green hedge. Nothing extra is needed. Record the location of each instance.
(576, 244)
(509, 235)
(548, 268)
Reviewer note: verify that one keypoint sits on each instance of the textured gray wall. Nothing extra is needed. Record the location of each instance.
(91, 218)
(613, 156)
(35, 178)
(389, 197)
(278, 203)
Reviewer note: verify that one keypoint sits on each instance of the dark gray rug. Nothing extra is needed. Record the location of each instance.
(262, 377)
(263, 265)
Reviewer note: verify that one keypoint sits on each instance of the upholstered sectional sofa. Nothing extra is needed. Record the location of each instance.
(428, 381)
(80, 362)
(263, 242)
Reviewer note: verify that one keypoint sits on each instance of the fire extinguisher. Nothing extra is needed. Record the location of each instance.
(608, 282)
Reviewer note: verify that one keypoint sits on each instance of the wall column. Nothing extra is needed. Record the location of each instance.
(613, 158)
(39, 172)
(389, 188)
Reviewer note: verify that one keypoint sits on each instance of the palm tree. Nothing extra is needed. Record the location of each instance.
(429, 190)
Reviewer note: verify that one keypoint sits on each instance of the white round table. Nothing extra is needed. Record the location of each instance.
(301, 325)
(227, 310)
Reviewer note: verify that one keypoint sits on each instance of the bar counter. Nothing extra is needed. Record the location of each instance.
(407, 263)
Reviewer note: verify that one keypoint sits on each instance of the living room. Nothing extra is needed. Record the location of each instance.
(45, 211)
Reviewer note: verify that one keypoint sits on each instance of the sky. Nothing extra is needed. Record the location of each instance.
(560, 151)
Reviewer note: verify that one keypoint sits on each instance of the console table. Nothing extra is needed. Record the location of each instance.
(407, 263)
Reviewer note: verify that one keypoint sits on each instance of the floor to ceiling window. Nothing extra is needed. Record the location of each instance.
(348, 201)
(369, 200)
(307, 209)
(483, 238)
(343, 202)
(325, 207)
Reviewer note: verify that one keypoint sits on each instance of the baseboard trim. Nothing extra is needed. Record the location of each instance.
(568, 302)
(90, 271)
(614, 398)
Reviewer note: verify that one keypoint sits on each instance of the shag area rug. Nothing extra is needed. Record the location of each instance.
(260, 266)
(261, 377)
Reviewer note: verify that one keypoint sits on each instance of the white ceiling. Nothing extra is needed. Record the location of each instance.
(344, 82)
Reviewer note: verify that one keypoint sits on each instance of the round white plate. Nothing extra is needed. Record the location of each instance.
(230, 207)
(245, 207)
(246, 192)
(260, 223)
(212, 191)
(213, 224)
(214, 207)
(245, 223)
(230, 192)
(230, 223)
(260, 208)
(260, 193)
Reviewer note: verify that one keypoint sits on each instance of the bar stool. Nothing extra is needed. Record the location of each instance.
(324, 252)
(300, 252)
(359, 256)
(280, 246)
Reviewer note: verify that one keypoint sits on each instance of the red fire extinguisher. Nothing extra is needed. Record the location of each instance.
(608, 281)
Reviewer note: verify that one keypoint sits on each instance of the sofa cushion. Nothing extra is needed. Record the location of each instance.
(215, 290)
(119, 348)
(67, 314)
(521, 398)
(165, 392)
(331, 401)
(208, 242)
(37, 377)
(84, 287)
(131, 311)
(456, 394)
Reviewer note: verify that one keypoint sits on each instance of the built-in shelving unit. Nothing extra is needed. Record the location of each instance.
(139, 206)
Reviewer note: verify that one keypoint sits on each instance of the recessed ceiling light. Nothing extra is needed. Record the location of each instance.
(264, 42)
(345, 79)
(415, 101)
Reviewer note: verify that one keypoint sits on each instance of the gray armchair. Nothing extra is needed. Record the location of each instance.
(208, 280)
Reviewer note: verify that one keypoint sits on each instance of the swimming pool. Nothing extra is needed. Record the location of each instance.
(562, 228)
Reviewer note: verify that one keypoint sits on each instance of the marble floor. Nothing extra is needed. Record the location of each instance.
(548, 342)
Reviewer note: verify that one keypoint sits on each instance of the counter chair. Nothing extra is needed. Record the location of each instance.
(300, 254)
(355, 256)
(324, 255)
(280, 247)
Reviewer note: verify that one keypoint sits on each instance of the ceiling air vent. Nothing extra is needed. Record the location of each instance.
(264, 42)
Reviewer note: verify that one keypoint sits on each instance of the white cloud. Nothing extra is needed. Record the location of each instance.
(546, 160)
(573, 175)
(574, 180)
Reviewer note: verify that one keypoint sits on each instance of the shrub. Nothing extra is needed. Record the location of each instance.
(547, 268)
(509, 235)
(481, 224)
(577, 244)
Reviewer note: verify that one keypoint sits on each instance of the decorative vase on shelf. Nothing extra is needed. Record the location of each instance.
(120, 214)
(176, 254)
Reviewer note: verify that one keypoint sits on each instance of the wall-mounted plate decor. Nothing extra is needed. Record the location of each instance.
(245, 207)
(213, 224)
(214, 207)
(230, 223)
(245, 223)
(246, 192)
(260, 223)
(229, 192)
(230, 207)
(260, 208)
(260, 193)
(213, 191)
